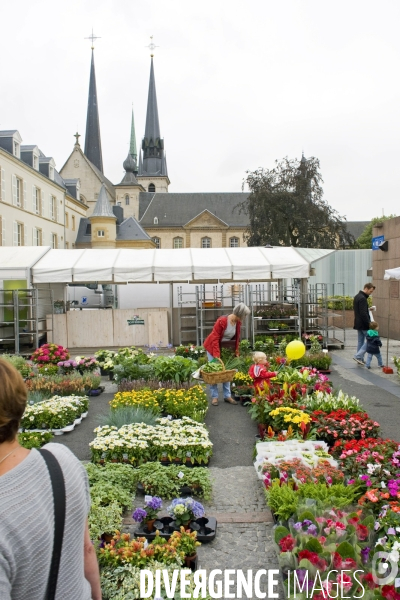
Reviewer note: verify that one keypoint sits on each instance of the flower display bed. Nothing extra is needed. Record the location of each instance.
(178, 403)
(181, 440)
(59, 414)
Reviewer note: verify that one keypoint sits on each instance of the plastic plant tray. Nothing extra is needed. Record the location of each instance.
(206, 528)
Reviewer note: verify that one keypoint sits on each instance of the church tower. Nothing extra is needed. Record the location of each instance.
(92, 138)
(153, 173)
(127, 192)
(103, 223)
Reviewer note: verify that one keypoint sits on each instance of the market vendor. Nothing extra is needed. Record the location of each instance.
(225, 334)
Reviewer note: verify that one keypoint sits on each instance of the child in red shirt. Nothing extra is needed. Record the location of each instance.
(259, 370)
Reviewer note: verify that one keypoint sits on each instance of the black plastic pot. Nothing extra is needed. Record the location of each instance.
(206, 528)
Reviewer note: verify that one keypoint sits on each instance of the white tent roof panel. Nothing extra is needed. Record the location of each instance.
(134, 269)
(161, 265)
(16, 261)
(57, 268)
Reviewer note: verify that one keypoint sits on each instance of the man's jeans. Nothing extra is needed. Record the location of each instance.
(226, 387)
(361, 344)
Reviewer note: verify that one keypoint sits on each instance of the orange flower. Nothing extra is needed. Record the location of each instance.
(372, 496)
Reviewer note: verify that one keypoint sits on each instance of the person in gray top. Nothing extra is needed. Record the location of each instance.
(27, 511)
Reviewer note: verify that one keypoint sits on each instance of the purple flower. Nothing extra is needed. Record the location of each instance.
(307, 522)
(312, 530)
(197, 509)
(298, 526)
(350, 481)
(139, 514)
(391, 531)
(155, 503)
(301, 575)
(364, 555)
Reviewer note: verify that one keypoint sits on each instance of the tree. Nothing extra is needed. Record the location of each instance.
(286, 207)
(365, 239)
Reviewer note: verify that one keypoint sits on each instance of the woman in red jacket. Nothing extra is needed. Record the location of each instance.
(225, 334)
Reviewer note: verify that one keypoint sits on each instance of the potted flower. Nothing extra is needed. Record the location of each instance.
(149, 512)
(184, 510)
(59, 307)
(187, 544)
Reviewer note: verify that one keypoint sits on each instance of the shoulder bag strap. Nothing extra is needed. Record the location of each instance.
(58, 487)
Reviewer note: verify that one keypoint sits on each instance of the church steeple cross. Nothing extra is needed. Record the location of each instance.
(92, 37)
(152, 46)
(77, 136)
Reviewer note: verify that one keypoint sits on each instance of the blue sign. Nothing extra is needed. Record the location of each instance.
(377, 241)
(84, 300)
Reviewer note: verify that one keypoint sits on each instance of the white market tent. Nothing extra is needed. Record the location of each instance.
(128, 265)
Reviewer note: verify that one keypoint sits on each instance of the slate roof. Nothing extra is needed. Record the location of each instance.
(103, 207)
(131, 230)
(128, 230)
(178, 209)
(355, 228)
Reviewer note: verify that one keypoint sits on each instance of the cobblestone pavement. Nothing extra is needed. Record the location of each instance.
(244, 545)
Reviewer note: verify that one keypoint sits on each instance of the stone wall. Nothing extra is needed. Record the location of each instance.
(382, 261)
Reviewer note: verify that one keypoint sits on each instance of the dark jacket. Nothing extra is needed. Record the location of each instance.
(361, 313)
(213, 342)
(373, 342)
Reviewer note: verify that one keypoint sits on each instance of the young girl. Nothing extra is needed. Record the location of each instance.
(259, 370)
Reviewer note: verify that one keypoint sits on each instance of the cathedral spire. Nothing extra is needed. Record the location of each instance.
(132, 146)
(92, 138)
(152, 144)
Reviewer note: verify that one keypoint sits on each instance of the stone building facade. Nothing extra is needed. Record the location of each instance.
(37, 207)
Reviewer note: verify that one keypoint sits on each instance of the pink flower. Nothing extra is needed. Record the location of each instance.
(344, 581)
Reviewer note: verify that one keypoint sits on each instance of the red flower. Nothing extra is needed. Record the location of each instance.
(368, 579)
(362, 532)
(287, 543)
(389, 592)
(314, 559)
(343, 564)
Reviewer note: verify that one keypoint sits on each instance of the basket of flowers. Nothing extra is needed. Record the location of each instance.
(215, 372)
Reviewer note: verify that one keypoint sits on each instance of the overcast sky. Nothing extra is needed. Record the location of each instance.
(239, 84)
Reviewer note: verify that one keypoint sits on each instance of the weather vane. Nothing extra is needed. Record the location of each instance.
(92, 37)
(152, 46)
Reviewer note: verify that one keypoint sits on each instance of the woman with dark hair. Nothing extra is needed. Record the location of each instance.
(27, 519)
(225, 334)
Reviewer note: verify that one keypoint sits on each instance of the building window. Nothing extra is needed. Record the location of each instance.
(35, 161)
(100, 233)
(19, 191)
(36, 200)
(234, 242)
(206, 242)
(51, 172)
(66, 219)
(155, 221)
(16, 149)
(2, 231)
(152, 187)
(54, 243)
(157, 242)
(37, 237)
(53, 208)
(67, 245)
(127, 200)
(73, 222)
(88, 229)
(18, 234)
(178, 242)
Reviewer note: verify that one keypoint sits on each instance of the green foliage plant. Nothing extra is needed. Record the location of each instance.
(104, 519)
(115, 473)
(365, 239)
(176, 368)
(166, 481)
(34, 439)
(105, 492)
(125, 415)
(19, 363)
